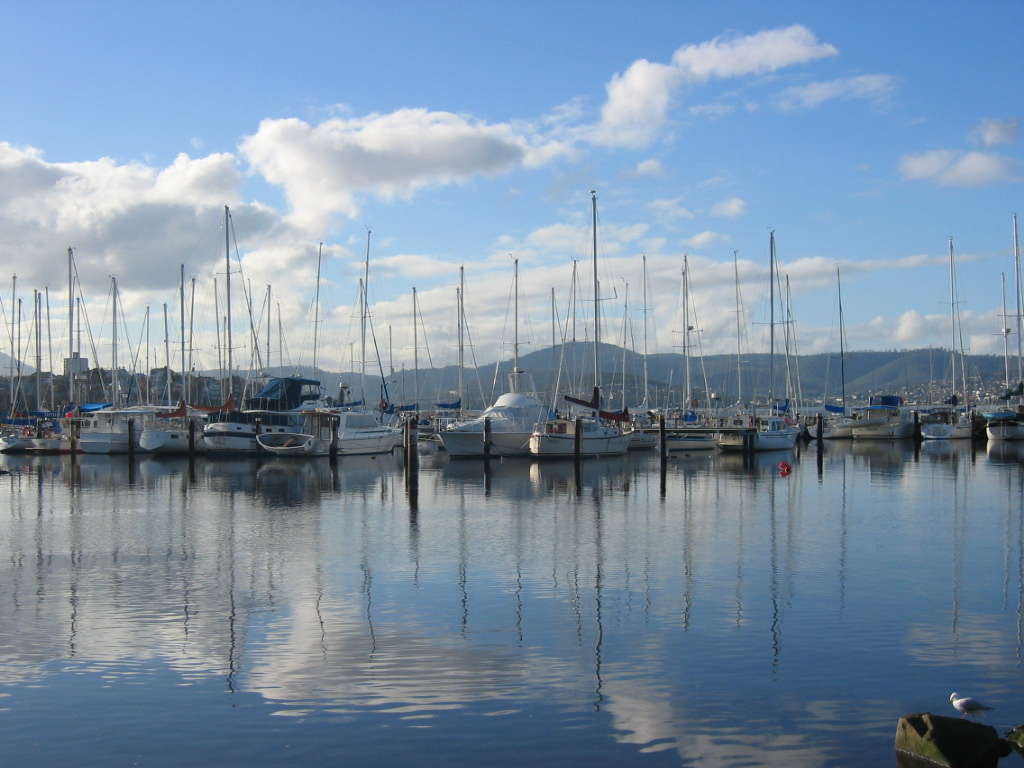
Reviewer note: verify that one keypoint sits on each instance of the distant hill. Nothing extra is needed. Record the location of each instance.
(920, 375)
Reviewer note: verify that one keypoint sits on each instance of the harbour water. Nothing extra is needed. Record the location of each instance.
(280, 612)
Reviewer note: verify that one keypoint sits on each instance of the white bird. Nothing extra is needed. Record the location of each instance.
(967, 705)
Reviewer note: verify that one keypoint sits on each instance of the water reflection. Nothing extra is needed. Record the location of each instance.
(712, 614)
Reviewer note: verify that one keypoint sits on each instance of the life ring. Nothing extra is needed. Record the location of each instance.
(27, 431)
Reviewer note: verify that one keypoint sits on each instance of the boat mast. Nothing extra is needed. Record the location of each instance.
(771, 322)
(842, 333)
(514, 378)
(1006, 332)
(71, 327)
(37, 301)
(1020, 303)
(415, 352)
(739, 329)
(646, 382)
(460, 293)
(688, 397)
(181, 330)
(597, 302)
(227, 292)
(316, 311)
(115, 380)
(952, 321)
(363, 309)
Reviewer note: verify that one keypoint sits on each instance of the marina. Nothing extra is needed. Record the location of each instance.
(712, 609)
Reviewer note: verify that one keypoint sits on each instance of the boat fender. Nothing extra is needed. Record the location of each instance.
(785, 468)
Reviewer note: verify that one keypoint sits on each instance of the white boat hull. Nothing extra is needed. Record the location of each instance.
(557, 440)
(466, 444)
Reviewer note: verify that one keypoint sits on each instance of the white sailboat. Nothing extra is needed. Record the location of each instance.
(505, 427)
(885, 417)
(691, 431)
(839, 423)
(951, 423)
(757, 430)
(598, 434)
(1007, 423)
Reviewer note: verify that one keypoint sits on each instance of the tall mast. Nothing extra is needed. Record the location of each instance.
(316, 309)
(1006, 332)
(597, 303)
(688, 396)
(514, 381)
(71, 326)
(952, 319)
(646, 385)
(167, 356)
(227, 291)
(363, 310)
(37, 300)
(1020, 302)
(739, 330)
(115, 380)
(415, 351)
(181, 328)
(842, 333)
(460, 294)
(771, 321)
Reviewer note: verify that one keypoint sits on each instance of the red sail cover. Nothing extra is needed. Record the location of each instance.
(595, 405)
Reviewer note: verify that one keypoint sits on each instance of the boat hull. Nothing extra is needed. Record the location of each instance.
(466, 444)
(557, 439)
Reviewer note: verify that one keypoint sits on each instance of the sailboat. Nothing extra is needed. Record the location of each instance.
(949, 423)
(598, 434)
(324, 430)
(762, 431)
(112, 427)
(276, 408)
(1007, 423)
(504, 428)
(687, 432)
(839, 425)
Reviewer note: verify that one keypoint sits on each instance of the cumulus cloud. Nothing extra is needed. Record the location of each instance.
(991, 132)
(649, 167)
(703, 240)
(324, 168)
(958, 169)
(875, 88)
(729, 209)
(672, 208)
(122, 218)
(639, 99)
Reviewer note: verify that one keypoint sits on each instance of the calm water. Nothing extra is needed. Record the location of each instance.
(277, 613)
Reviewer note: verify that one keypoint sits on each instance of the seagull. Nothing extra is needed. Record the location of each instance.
(967, 705)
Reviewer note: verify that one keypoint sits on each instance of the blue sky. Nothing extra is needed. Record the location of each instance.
(468, 134)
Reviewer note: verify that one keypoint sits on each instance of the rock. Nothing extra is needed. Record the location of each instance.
(948, 741)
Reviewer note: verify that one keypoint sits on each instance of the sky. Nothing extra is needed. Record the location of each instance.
(434, 146)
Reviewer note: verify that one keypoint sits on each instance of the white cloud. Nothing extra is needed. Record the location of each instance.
(122, 218)
(324, 168)
(991, 132)
(672, 208)
(875, 88)
(650, 167)
(959, 169)
(756, 54)
(729, 209)
(703, 240)
(636, 109)
(637, 104)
